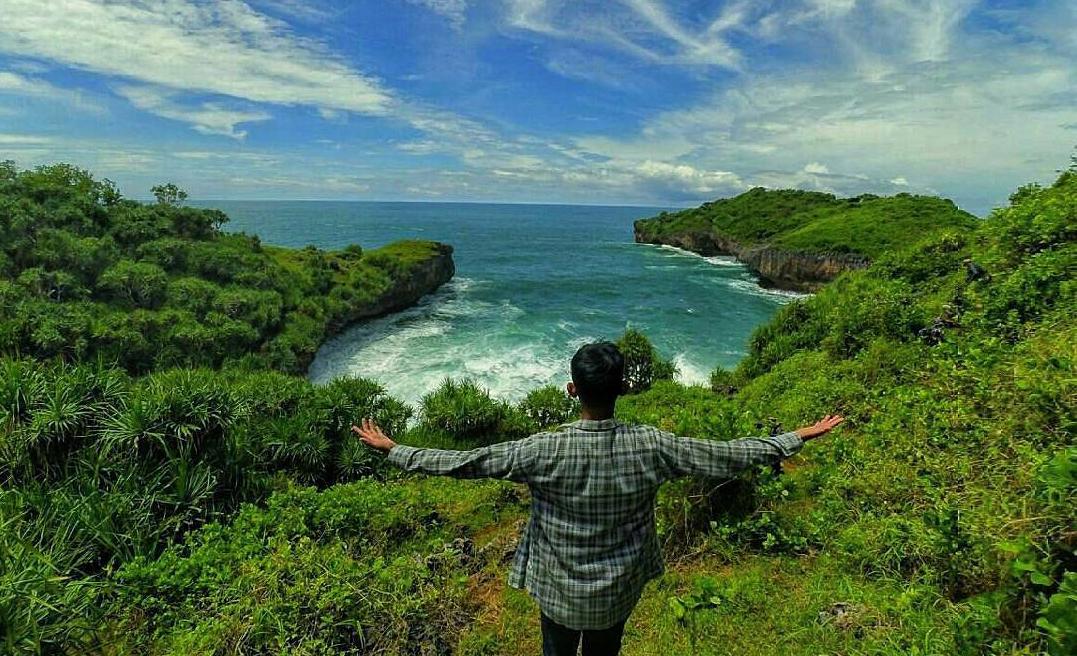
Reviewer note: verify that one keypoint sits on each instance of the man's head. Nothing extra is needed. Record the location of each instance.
(597, 375)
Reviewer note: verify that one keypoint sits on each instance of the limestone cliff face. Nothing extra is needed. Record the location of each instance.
(797, 270)
(405, 291)
(424, 278)
(794, 270)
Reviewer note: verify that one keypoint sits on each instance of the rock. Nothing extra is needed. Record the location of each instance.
(841, 615)
(974, 272)
(784, 269)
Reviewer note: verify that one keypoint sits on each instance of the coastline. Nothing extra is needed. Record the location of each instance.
(804, 272)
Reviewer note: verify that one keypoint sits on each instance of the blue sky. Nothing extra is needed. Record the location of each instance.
(618, 101)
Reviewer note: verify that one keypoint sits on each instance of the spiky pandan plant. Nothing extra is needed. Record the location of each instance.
(97, 469)
(463, 409)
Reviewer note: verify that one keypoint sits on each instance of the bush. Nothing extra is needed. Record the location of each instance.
(140, 284)
(549, 406)
(464, 410)
(643, 365)
(361, 568)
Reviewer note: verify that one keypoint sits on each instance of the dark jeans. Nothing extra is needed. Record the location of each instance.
(558, 640)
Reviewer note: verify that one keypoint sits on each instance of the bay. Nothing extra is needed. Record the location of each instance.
(532, 284)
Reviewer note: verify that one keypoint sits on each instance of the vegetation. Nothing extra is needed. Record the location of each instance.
(813, 221)
(85, 273)
(202, 511)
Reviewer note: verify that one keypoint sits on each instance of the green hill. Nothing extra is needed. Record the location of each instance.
(86, 273)
(812, 221)
(230, 512)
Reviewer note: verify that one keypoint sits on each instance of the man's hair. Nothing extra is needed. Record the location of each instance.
(598, 372)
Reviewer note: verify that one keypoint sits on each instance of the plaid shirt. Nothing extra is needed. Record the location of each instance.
(590, 544)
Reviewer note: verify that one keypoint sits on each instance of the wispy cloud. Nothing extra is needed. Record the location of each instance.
(206, 117)
(455, 11)
(306, 11)
(9, 139)
(692, 100)
(222, 47)
(18, 84)
(644, 29)
(964, 110)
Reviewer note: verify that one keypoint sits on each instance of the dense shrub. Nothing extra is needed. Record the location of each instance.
(643, 364)
(812, 221)
(549, 406)
(89, 265)
(463, 409)
(360, 568)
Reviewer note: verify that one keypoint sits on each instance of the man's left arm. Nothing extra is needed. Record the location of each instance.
(505, 460)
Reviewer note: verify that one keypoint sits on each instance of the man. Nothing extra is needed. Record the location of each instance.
(590, 544)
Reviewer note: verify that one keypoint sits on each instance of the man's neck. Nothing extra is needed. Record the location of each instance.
(596, 414)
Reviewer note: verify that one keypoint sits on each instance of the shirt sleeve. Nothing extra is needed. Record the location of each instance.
(507, 460)
(687, 456)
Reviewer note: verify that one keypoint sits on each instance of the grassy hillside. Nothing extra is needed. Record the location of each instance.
(86, 273)
(813, 221)
(201, 512)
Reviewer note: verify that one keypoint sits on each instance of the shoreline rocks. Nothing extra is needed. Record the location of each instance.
(799, 271)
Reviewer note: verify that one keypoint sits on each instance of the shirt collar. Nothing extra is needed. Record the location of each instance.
(594, 424)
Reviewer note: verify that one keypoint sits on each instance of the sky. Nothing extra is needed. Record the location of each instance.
(653, 102)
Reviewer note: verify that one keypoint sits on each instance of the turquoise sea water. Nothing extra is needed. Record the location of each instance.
(533, 283)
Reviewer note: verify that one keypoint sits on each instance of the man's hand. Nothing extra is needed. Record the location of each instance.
(372, 436)
(820, 427)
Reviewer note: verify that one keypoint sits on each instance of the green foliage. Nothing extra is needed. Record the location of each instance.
(812, 221)
(464, 410)
(643, 364)
(169, 194)
(549, 406)
(1058, 618)
(159, 285)
(41, 609)
(135, 283)
(360, 568)
(939, 485)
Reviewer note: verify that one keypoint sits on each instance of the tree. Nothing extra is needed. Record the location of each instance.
(139, 283)
(169, 194)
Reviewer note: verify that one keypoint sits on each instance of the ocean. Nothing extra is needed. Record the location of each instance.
(532, 284)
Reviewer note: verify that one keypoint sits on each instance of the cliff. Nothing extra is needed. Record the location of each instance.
(801, 271)
(421, 278)
(799, 240)
(162, 285)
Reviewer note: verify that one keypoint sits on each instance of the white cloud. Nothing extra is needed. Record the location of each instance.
(9, 139)
(12, 83)
(453, 10)
(681, 180)
(302, 10)
(976, 113)
(207, 117)
(648, 30)
(221, 47)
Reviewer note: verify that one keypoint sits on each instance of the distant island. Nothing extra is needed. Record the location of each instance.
(800, 240)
